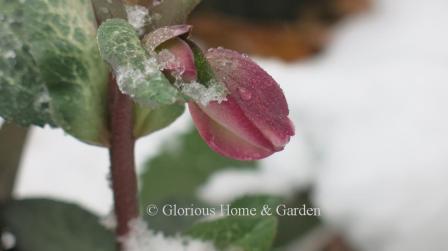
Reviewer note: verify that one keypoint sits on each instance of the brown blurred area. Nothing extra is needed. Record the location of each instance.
(285, 29)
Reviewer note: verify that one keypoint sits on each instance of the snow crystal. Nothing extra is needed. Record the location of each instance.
(168, 60)
(194, 90)
(9, 54)
(42, 101)
(138, 17)
(130, 78)
(203, 94)
(142, 239)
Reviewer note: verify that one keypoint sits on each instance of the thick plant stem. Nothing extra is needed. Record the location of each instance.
(12, 141)
(121, 150)
(124, 180)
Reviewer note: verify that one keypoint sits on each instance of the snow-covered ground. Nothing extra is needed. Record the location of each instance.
(371, 118)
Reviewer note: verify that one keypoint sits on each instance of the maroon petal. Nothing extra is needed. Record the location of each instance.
(224, 140)
(163, 34)
(259, 97)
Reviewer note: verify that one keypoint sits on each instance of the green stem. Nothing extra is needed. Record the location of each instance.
(12, 141)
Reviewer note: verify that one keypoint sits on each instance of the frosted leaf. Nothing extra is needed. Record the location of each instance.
(138, 17)
(141, 238)
(129, 77)
(202, 94)
(134, 81)
(138, 73)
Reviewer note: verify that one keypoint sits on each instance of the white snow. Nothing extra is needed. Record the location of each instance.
(138, 17)
(167, 60)
(371, 135)
(205, 94)
(130, 80)
(9, 54)
(141, 238)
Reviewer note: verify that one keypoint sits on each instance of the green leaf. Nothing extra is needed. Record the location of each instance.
(257, 201)
(246, 233)
(182, 166)
(173, 176)
(23, 95)
(147, 121)
(293, 228)
(173, 225)
(137, 73)
(52, 72)
(48, 225)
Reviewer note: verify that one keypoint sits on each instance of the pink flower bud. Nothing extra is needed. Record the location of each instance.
(253, 123)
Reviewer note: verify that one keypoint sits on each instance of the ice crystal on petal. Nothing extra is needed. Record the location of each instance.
(168, 60)
(141, 238)
(202, 94)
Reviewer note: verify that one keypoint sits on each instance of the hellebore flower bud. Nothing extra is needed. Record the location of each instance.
(253, 123)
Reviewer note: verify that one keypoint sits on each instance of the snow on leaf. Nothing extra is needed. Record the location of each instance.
(137, 72)
(50, 68)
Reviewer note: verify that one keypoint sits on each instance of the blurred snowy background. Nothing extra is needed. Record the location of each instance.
(372, 135)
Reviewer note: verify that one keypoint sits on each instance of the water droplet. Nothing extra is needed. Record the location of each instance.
(245, 94)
